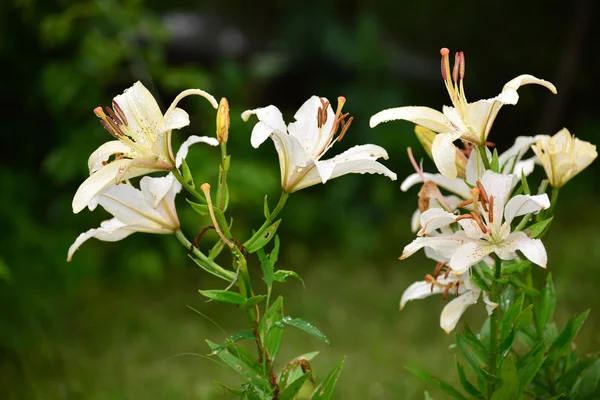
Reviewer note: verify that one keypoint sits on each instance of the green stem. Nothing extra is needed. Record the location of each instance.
(269, 220)
(553, 200)
(209, 265)
(222, 178)
(187, 186)
(486, 162)
(494, 325)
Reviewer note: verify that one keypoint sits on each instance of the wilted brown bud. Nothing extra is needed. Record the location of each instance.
(223, 121)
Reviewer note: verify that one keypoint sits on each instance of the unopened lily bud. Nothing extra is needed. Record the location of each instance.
(563, 156)
(223, 121)
(425, 137)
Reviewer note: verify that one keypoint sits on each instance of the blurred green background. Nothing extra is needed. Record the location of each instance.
(115, 322)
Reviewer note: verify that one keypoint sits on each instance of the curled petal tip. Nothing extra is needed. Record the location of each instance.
(246, 115)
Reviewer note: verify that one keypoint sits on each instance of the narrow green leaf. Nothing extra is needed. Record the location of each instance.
(241, 361)
(274, 256)
(251, 392)
(479, 280)
(468, 386)
(272, 332)
(224, 296)
(537, 229)
(210, 270)
(324, 391)
(509, 387)
(187, 175)
(294, 387)
(524, 318)
(529, 364)
(201, 209)
(306, 327)
(476, 357)
(253, 301)
(216, 249)
(588, 383)
(267, 267)
(290, 374)
(282, 275)
(432, 380)
(475, 347)
(427, 396)
(495, 164)
(235, 392)
(524, 183)
(265, 238)
(244, 334)
(545, 308)
(506, 343)
(510, 316)
(516, 268)
(562, 343)
(266, 208)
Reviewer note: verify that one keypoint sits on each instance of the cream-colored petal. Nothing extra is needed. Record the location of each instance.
(511, 157)
(193, 139)
(525, 204)
(96, 182)
(476, 116)
(415, 221)
(445, 246)
(424, 116)
(101, 155)
(444, 154)
(433, 219)
(532, 249)
(306, 130)
(191, 92)
(457, 186)
(509, 93)
(468, 255)
(110, 230)
(475, 167)
(500, 186)
(490, 306)
(144, 118)
(456, 308)
(419, 290)
(524, 167)
(177, 119)
(156, 189)
(270, 120)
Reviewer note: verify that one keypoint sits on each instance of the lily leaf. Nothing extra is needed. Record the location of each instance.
(588, 383)
(265, 238)
(537, 229)
(432, 380)
(282, 275)
(271, 332)
(244, 334)
(545, 309)
(253, 301)
(509, 388)
(294, 387)
(241, 361)
(306, 327)
(224, 296)
(325, 389)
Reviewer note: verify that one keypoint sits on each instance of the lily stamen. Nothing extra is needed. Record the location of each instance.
(465, 203)
(438, 269)
(477, 218)
(491, 212)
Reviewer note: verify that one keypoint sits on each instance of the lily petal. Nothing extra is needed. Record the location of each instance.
(525, 204)
(509, 93)
(444, 246)
(99, 157)
(455, 309)
(433, 219)
(177, 119)
(424, 116)
(457, 186)
(144, 118)
(509, 159)
(532, 249)
(306, 129)
(271, 121)
(110, 230)
(193, 139)
(468, 255)
(444, 153)
(500, 186)
(419, 290)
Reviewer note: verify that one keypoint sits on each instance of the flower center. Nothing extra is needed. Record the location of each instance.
(116, 124)
(480, 198)
(339, 128)
(446, 286)
(454, 79)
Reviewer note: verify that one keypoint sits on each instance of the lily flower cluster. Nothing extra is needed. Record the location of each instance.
(475, 224)
(143, 146)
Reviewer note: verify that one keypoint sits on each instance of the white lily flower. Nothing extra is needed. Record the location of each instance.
(467, 294)
(150, 209)
(563, 156)
(509, 161)
(303, 143)
(487, 229)
(471, 122)
(143, 142)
